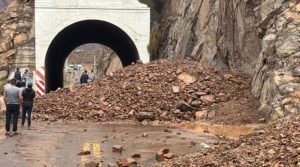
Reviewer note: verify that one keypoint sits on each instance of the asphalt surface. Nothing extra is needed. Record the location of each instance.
(58, 144)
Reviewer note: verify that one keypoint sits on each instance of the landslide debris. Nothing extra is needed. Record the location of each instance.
(276, 145)
(161, 90)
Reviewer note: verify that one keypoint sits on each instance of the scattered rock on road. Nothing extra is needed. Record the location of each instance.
(136, 156)
(168, 131)
(91, 164)
(126, 162)
(145, 135)
(84, 153)
(169, 156)
(117, 148)
(163, 154)
(277, 144)
(122, 162)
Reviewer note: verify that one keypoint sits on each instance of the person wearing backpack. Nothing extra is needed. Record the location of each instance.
(28, 96)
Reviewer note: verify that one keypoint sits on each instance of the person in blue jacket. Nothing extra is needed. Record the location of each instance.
(84, 77)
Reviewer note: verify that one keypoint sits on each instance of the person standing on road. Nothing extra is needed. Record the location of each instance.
(29, 78)
(93, 76)
(17, 75)
(28, 95)
(25, 76)
(12, 98)
(84, 77)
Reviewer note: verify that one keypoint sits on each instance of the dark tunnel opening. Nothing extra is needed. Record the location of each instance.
(89, 31)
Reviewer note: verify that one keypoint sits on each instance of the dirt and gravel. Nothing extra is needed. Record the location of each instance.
(162, 90)
(276, 145)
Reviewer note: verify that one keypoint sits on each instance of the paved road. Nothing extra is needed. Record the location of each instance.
(58, 144)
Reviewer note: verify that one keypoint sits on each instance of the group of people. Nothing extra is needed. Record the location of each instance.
(23, 78)
(18, 94)
(85, 78)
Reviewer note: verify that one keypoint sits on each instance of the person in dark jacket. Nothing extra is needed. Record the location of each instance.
(18, 75)
(84, 77)
(28, 95)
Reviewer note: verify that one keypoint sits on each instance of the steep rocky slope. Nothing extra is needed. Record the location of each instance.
(277, 74)
(16, 31)
(258, 37)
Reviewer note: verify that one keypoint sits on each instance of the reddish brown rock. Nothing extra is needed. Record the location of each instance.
(117, 148)
(122, 162)
(169, 156)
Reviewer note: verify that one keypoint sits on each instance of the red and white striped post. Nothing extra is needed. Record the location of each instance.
(40, 81)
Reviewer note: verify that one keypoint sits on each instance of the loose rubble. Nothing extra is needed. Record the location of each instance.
(277, 144)
(147, 92)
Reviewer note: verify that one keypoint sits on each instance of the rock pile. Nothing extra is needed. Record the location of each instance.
(162, 90)
(277, 144)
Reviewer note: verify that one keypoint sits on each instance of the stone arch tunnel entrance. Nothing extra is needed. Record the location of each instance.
(83, 32)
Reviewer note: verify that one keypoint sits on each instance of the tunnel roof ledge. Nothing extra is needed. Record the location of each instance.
(115, 4)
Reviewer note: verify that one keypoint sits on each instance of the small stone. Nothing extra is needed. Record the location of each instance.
(187, 78)
(176, 89)
(201, 93)
(160, 156)
(168, 131)
(164, 150)
(145, 135)
(131, 113)
(136, 156)
(169, 156)
(193, 143)
(208, 99)
(122, 162)
(177, 111)
(131, 161)
(185, 107)
(196, 103)
(298, 150)
(142, 116)
(271, 152)
(211, 114)
(117, 148)
(91, 164)
(84, 152)
(201, 114)
(111, 165)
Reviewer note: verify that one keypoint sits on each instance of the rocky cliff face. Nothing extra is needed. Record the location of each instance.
(217, 33)
(16, 31)
(258, 37)
(277, 75)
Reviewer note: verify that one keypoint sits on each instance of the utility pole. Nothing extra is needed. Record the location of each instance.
(94, 62)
